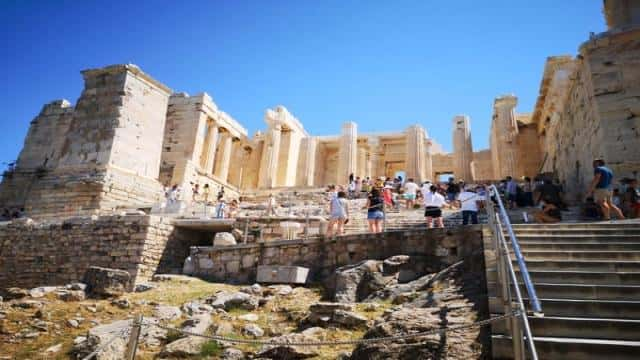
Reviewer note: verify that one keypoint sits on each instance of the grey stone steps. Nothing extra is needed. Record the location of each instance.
(583, 265)
(615, 255)
(580, 225)
(579, 246)
(579, 291)
(579, 327)
(566, 348)
(579, 238)
(615, 309)
(577, 277)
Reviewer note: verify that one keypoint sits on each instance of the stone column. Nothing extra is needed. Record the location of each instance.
(210, 147)
(621, 13)
(269, 161)
(428, 161)
(347, 155)
(414, 153)
(506, 130)
(462, 148)
(222, 166)
(362, 162)
(307, 161)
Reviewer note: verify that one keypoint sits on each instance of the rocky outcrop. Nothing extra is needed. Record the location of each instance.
(108, 282)
(291, 352)
(233, 300)
(325, 314)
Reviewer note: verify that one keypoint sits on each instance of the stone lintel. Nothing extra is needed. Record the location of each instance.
(131, 68)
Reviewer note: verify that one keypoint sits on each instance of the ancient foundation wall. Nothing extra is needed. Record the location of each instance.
(239, 263)
(34, 254)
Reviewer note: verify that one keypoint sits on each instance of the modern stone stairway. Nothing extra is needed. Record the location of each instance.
(587, 277)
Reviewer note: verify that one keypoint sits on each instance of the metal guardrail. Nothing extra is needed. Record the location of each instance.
(519, 327)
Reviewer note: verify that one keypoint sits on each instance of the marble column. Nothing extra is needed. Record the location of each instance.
(211, 143)
(222, 166)
(362, 162)
(269, 160)
(414, 153)
(506, 131)
(428, 161)
(308, 148)
(462, 148)
(347, 155)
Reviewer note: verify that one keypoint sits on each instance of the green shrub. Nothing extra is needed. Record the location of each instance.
(211, 348)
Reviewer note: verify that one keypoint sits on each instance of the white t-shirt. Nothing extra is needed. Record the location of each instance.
(468, 201)
(411, 188)
(425, 188)
(434, 199)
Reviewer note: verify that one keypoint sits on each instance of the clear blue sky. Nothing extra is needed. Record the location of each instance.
(383, 64)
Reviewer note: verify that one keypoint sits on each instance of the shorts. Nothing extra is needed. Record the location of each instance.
(451, 196)
(375, 215)
(409, 196)
(432, 211)
(600, 195)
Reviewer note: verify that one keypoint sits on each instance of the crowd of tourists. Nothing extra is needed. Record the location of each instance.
(543, 196)
(204, 196)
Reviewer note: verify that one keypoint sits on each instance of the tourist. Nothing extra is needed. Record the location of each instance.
(220, 209)
(271, 205)
(470, 202)
(616, 199)
(425, 188)
(433, 203)
(220, 193)
(6, 215)
(205, 193)
(452, 190)
(410, 193)
(387, 196)
(358, 186)
(375, 211)
(174, 193)
(527, 188)
(590, 210)
(511, 192)
(631, 199)
(549, 196)
(195, 192)
(351, 178)
(338, 214)
(234, 206)
(352, 189)
(601, 189)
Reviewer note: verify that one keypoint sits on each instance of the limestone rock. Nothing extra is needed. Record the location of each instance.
(71, 295)
(108, 282)
(144, 287)
(73, 323)
(249, 317)
(290, 351)
(196, 307)
(355, 282)
(253, 330)
(15, 293)
(232, 354)
(53, 349)
(164, 312)
(228, 300)
(185, 347)
(198, 324)
(41, 291)
(77, 286)
(336, 314)
(224, 239)
(121, 303)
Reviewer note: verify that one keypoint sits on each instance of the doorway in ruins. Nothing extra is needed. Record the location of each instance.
(443, 177)
(393, 168)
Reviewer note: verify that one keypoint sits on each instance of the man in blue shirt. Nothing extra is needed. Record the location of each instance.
(601, 189)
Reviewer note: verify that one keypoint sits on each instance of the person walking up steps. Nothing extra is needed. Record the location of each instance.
(375, 213)
(410, 192)
(433, 203)
(339, 213)
(601, 189)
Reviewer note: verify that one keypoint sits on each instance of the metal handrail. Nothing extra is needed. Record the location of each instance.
(531, 290)
(507, 277)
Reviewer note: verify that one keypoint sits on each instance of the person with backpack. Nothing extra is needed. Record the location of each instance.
(375, 211)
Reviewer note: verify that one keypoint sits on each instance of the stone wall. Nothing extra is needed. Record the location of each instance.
(482, 166)
(270, 228)
(34, 254)
(238, 263)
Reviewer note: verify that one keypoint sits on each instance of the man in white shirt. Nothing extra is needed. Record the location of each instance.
(469, 204)
(410, 192)
(433, 203)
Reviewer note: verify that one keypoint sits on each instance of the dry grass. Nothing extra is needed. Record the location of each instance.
(278, 316)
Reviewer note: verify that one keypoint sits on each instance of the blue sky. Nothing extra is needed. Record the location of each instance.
(384, 64)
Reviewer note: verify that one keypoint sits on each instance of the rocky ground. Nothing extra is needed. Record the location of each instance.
(400, 295)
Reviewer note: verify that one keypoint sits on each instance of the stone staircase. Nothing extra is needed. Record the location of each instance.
(587, 277)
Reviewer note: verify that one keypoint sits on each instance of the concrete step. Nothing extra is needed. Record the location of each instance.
(615, 255)
(583, 328)
(633, 224)
(579, 291)
(578, 231)
(575, 238)
(582, 265)
(615, 309)
(552, 348)
(577, 277)
(544, 245)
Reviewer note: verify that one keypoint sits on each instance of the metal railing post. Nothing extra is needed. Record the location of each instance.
(132, 345)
